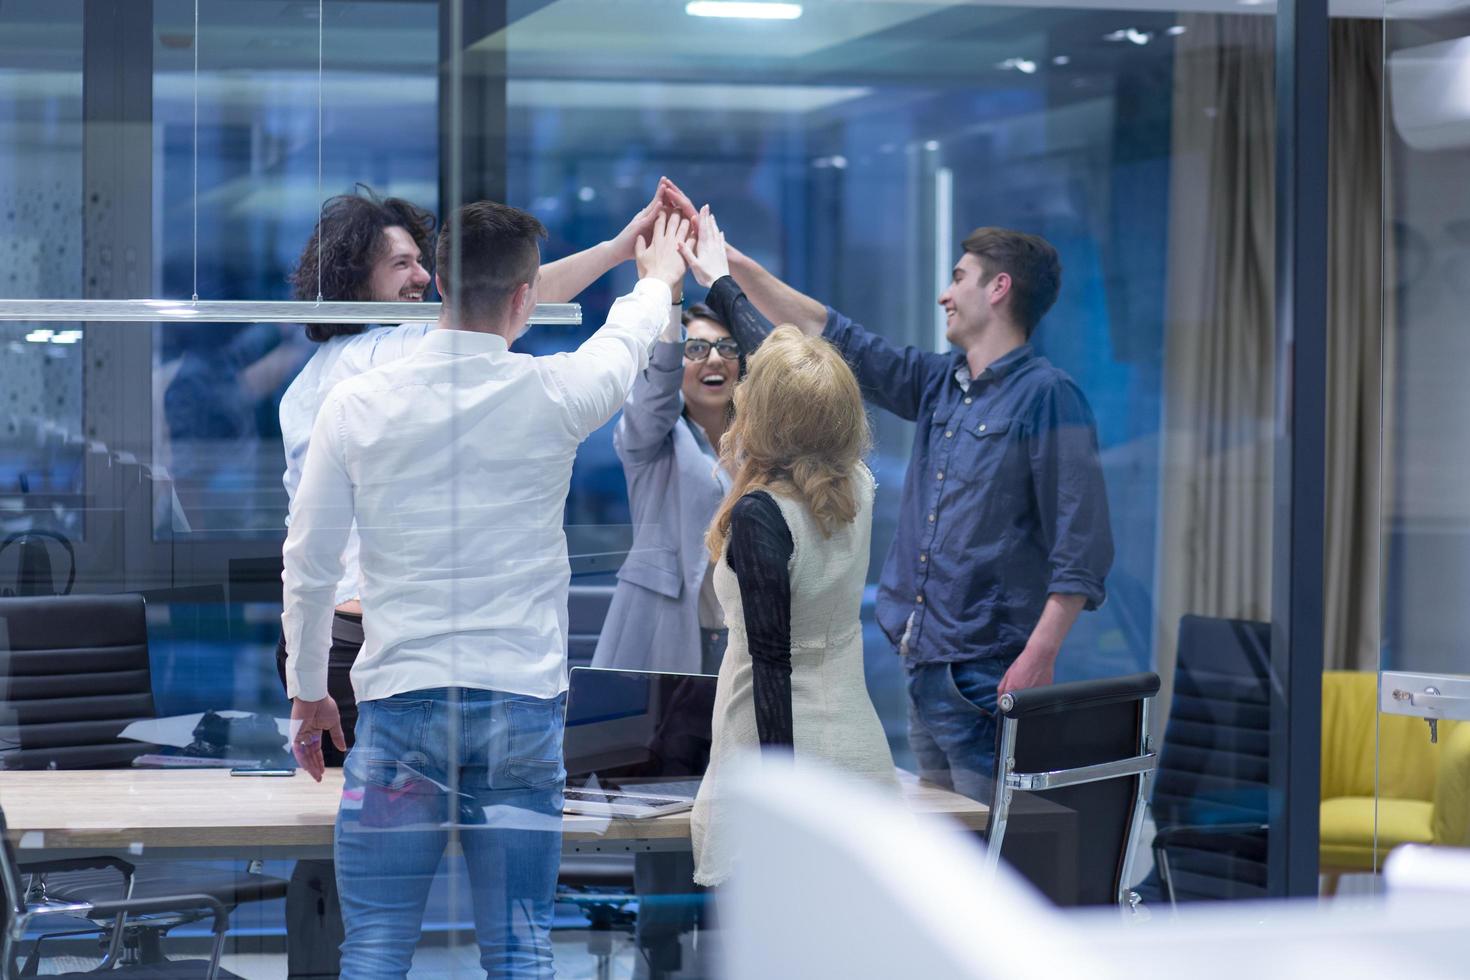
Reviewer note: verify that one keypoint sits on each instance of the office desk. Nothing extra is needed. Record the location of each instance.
(197, 813)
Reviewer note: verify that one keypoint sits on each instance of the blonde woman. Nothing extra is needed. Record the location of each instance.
(792, 540)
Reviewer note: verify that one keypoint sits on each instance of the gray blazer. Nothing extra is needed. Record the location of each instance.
(674, 488)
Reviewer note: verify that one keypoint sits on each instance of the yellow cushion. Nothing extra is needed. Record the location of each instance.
(1347, 829)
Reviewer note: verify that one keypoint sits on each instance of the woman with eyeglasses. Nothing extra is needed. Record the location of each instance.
(664, 613)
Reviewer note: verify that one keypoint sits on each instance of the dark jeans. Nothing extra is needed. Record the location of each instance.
(952, 724)
(314, 931)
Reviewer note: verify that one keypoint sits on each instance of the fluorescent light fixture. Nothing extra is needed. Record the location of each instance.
(38, 336)
(65, 339)
(743, 10)
(1176, 30)
(1023, 65)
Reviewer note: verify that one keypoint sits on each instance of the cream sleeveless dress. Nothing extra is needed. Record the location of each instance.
(833, 720)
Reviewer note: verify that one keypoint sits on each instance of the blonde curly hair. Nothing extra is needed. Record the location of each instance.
(799, 429)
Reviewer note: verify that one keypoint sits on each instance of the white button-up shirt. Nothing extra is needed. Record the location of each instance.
(336, 360)
(455, 463)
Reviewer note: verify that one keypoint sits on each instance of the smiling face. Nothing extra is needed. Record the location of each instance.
(398, 274)
(970, 300)
(710, 381)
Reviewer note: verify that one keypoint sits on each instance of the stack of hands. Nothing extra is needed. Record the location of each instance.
(670, 237)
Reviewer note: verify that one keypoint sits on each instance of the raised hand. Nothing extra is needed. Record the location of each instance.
(659, 257)
(708, 259)
(640, 226)
(676, 200)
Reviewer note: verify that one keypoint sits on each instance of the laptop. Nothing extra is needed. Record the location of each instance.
(637, 742)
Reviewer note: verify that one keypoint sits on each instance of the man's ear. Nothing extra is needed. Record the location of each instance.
(439, 285)
(999, 288)
(520, 300)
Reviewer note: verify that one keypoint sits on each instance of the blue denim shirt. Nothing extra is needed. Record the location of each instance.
(1003, 503)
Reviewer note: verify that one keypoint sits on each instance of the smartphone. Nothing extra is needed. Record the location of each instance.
(244, 771)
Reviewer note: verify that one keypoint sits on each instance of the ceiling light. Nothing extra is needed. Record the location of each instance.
(1023, 65)
(1060, 60)
(586, 194)
(39, 336)
(1133, 35)
(932, 145)
(1176, 30)
(64, 339)
(743, 10)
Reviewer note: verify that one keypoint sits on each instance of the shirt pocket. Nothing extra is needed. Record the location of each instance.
(655, 569)
(989, 456)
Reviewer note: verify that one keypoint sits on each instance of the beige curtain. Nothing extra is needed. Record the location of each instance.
(1219, 398)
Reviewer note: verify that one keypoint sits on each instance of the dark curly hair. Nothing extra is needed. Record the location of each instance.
(349, 238)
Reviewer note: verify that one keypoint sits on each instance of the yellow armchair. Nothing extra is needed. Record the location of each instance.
(1423, 792)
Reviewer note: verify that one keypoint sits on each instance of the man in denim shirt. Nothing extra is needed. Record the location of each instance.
(1003, 533)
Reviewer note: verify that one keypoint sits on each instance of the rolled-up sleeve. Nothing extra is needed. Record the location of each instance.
(1071, 497)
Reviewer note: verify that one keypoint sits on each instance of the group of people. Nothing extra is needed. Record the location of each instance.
(426, 573)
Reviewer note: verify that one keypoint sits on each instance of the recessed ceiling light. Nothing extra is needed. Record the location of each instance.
(1176, 30)
(753, 10)
(1061, 59)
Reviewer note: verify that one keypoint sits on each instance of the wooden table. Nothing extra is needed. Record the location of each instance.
(199, 812)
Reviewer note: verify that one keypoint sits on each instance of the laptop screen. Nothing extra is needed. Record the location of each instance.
(629, 727)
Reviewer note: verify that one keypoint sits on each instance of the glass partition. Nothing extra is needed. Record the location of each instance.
(314, 152)
(1409, 750)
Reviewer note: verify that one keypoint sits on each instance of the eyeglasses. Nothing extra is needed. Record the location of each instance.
(698, 350)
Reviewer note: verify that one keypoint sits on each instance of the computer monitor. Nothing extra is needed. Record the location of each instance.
(629, 727)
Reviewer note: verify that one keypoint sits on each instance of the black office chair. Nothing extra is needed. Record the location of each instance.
(1210, 794)
(1082, 749)
(74, 672)
(19, 912)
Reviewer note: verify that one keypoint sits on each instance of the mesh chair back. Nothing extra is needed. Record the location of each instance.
(73, 674)
(1215, 758)
(1070, 726)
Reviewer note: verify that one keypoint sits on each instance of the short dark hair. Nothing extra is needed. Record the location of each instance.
(349, 240)
(498, 253)
(698, 311)
(1030, 261)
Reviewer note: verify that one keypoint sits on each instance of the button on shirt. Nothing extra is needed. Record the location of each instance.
(455, 464)
(340, 358)
(1003, 502)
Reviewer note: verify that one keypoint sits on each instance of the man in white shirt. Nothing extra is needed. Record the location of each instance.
(376, 249)
(454, 463)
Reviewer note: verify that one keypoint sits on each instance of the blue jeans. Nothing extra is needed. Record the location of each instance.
(482, 767)
(952, 723)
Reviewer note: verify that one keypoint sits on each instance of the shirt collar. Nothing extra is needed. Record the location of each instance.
(998, 368)
(466, 342)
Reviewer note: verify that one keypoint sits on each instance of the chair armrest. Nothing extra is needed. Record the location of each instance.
(141, 906)
(77, 864)
(1184, 834)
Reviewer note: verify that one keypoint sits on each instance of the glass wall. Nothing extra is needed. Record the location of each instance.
(1419, 768)
(214, 151)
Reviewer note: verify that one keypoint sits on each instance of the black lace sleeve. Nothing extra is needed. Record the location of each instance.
(746, 324)
(760, 548)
